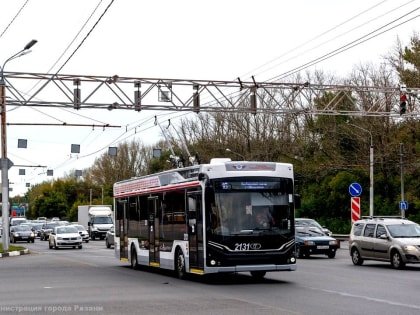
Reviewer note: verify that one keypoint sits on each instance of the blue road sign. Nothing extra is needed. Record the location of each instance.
(355, 189)
(403, 205)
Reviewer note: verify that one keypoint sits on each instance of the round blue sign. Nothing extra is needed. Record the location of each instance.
(355, 189)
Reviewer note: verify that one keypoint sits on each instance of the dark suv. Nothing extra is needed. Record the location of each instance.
(394, 240)
(46, 229)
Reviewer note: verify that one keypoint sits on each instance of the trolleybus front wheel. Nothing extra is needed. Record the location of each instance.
(134, 263)
(258, 274)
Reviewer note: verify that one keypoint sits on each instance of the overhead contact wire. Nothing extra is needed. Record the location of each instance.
(14, 18)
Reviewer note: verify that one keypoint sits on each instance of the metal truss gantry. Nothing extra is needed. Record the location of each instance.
(129, 93)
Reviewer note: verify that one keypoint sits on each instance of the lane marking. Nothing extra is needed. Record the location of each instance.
(412, 306)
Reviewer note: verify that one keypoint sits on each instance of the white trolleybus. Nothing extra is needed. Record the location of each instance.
(221, 217)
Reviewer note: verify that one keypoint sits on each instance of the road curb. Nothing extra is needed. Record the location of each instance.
(15, 253)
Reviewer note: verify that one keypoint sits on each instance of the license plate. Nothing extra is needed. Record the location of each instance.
(24, 237)
(322, 247)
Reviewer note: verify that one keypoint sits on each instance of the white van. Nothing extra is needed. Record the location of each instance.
(17, 220)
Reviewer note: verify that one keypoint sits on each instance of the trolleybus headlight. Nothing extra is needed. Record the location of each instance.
(213, 262)
(293, 260)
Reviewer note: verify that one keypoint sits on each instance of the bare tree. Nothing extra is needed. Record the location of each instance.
(132, 159)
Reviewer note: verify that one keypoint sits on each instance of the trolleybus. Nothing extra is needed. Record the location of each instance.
(222, 217)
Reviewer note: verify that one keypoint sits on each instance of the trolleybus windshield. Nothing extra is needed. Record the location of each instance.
(252, 206)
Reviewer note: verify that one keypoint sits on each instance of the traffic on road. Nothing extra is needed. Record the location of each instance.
(69, 280)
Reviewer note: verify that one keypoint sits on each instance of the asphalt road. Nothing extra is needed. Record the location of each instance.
(92, 281)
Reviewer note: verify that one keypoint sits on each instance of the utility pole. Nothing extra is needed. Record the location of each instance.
(4, 159)
(370, 168)
(402, 180)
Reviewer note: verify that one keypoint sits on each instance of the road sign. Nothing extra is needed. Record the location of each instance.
(355, 209)
(9, 163)
(403, 205)
(355, 189)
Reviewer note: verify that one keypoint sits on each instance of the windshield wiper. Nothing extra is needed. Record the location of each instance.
(243, 232)
(304, 233)
(317, 232)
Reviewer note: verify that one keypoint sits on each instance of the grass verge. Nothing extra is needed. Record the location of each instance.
(12, 248)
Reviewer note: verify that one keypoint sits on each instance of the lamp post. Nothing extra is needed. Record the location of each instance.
(370, 169)
(402, 178)
(4, 159)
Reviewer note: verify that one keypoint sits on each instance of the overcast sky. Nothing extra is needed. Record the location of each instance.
(201, 40)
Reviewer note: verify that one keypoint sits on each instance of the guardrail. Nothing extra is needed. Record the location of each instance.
(341, 237)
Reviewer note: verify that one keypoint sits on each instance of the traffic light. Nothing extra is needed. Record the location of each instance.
(403, 104)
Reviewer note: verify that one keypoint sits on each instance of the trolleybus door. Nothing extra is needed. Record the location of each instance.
(195, 229)
(122, 220)
(153, 222)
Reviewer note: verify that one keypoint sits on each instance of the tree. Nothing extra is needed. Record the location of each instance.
(410, 75)
(406, 62)
(132, 160)
(51, 204)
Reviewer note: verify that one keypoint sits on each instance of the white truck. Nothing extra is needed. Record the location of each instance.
(98, 219)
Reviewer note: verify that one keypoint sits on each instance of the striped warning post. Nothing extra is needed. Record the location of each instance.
(355, 209)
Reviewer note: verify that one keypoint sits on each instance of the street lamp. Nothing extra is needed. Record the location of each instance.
(370, 169)
(4, 159)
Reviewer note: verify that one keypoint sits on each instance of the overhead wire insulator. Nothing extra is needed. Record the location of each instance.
(253, 97)
(137, 96)
(253, 102)
(76, 94)
(196, 99)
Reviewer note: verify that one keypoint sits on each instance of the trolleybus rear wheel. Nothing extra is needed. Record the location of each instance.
(180, 264)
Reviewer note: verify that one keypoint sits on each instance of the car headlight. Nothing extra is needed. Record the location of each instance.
(32, 234)
(16, 234)
(59, 238)
(410, 248)
(309, 243)
(335, 242)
